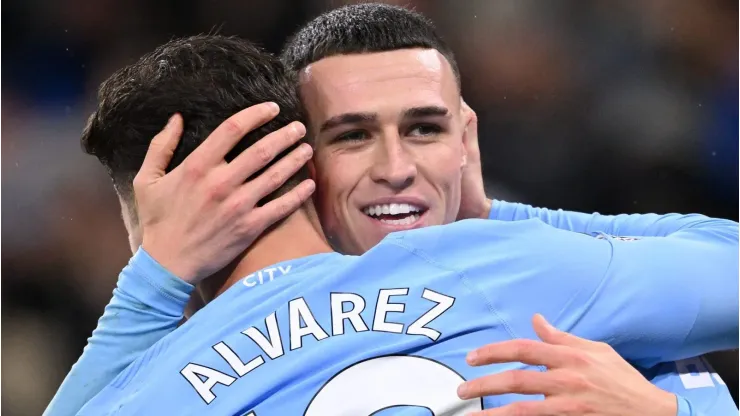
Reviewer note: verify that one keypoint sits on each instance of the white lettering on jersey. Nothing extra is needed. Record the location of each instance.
(272, 346)
(298, 310)
(338, 315)
(696, 373)
(239, 367)
(302, 323)
(193, 372)
(259, 277)
(406, 380)
(383, 306)
(443, 302)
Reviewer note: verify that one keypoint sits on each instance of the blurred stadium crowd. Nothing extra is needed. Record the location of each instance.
(594, 106)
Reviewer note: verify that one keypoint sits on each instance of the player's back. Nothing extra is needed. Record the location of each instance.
(342, 335)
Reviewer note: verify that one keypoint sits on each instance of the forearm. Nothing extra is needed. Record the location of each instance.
(147, 304)
(670, 298)
(623, 225)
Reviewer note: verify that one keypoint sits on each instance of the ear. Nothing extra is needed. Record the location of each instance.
(311, 170)
(468, 117)
(470, 131)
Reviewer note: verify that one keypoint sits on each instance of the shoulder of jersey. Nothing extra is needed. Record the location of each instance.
(466, 234)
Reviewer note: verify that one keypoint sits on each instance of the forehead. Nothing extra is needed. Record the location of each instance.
(376, 81)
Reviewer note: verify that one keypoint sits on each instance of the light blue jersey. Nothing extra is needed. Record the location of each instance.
(700, 390)
(331, 334)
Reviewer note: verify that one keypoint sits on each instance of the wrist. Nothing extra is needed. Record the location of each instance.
(170, 263)
(664, 403)
(486, 211)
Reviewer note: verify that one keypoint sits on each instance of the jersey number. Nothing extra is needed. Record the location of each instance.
(370, 386)
(696, 373)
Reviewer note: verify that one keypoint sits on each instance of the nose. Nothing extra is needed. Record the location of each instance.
(393, 165)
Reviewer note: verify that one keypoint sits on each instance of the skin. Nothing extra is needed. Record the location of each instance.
(389, 155)
(388, 128)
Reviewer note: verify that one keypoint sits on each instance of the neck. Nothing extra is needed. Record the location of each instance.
(298, 235)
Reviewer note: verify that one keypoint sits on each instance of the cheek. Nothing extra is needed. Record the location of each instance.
(330, 194)
(444, 163)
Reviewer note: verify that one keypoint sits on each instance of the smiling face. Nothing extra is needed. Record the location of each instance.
(389, 145)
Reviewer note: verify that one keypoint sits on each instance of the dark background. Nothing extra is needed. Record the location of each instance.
(606, 106)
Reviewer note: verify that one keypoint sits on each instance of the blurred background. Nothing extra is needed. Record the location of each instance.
(595, 106)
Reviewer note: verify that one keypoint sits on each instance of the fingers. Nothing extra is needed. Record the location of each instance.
(161, 149)
(551, 335)
(513, 381)
(227, 135)
(525, 351)
(277, 174)
(261, 153)
(284, 205)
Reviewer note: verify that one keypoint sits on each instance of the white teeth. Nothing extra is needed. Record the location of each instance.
(403, 221)
(393, 209)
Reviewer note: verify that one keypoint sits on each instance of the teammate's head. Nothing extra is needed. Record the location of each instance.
(382, 94)
(205, 78)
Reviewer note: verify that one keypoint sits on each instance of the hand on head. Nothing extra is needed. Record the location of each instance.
(199, 217)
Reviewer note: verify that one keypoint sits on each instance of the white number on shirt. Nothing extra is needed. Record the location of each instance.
(383, 382)
(696, 373)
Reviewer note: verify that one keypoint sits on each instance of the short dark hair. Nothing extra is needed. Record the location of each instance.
(206, 78)
(363, 28)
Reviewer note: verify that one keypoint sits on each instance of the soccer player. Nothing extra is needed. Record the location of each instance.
(403, 297)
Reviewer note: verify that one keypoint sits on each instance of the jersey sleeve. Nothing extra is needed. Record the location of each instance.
(147, 304)
(677, 293)
(698, 389)
(623, 225)
(653, 299)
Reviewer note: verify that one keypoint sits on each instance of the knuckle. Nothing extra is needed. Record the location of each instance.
(232, 126)
(515, 380)
(266, 112)
(574, 381)
(194, 170)
(155, 145)
(159, 139)
(219, 189)
(580, 358)
(262, 153)
(248, 226)
(233, 207)
(138, 183)
(275, 180)
(524, 347)
(577, 407)
(477, 387)
(284, 208)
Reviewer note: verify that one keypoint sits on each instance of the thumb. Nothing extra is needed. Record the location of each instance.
(551, 335)
(162, 148)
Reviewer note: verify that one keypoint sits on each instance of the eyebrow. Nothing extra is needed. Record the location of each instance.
(427, 111)
(348, 118)
(354, 118)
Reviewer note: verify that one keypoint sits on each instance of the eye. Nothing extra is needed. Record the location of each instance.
(424, 130)
(352, 136)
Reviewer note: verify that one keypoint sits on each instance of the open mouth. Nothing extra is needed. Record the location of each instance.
(395, 214)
